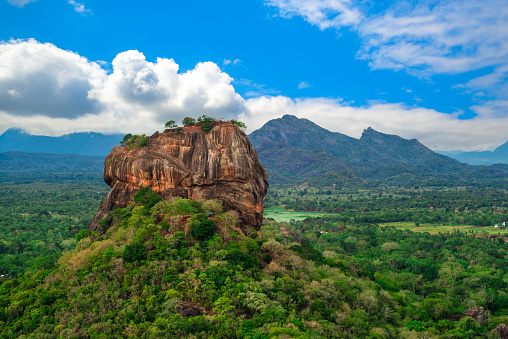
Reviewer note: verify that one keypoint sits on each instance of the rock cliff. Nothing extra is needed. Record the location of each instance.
(220, 164)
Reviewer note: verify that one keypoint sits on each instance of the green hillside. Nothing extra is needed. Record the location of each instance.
(182, 269)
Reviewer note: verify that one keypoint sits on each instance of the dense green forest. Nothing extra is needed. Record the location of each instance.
(169, 269)
(40, 215)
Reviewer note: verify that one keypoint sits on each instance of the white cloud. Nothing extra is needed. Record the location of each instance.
(41, 79)
(68, 93)
(322, 13)
(229, 62)
(53, 91)
(444, 37)
(79, 7)
(304, 84)
(20, 3)
(434, 129)
(423, 38)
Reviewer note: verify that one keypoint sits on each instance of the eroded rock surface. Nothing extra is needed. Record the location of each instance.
(220, 164)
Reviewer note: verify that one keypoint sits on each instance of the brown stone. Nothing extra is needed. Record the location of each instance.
(502, 331)
(220, 164)
(477, 313)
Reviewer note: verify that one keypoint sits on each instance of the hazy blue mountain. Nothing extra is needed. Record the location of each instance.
(497, 156)
(49, 162)
(88, 143)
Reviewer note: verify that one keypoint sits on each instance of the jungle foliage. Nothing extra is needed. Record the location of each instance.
(316, 278)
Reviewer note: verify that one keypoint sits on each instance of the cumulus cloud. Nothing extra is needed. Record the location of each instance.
(20, 3)
(55, 91)
(41, 79)
(434, 129)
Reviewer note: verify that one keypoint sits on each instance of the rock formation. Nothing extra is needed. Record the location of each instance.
(220, 164)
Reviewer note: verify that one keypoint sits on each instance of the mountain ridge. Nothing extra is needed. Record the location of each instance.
(286, 145)
(84, 143)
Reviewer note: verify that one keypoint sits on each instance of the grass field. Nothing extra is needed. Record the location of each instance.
(281, 215)
(433, 229)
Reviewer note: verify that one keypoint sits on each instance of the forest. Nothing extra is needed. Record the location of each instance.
(183, 269)
(40, 215)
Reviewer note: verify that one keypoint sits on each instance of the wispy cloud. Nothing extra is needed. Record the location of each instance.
(255, 89)
(79, 7)
(20, 3)
(304, 84)
(231, 62)
(322, 13)
(424, 38)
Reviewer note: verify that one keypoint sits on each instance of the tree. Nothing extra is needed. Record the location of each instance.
(206, 122)
(125, 139)
(171, 124)
(188, 121)
(240, 124)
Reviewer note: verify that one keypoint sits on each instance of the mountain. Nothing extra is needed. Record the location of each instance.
(88, 143)
(296, 149)
(49, 162)
(499, 155)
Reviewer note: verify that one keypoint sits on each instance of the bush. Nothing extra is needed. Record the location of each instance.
(82, 234)
(203, 228)
(184, 207)
(187, 121)
(240, 124)
(134, 252)
(105, 223)
(135, 141)
(206, 122)
(147, 198)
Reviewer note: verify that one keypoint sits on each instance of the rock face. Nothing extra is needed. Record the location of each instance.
(220, 164)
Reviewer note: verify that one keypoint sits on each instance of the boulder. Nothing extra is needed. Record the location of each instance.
(502, 331)
(190, 163)
(477, 313)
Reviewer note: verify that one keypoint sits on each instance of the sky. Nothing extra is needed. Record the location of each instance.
(436, 71)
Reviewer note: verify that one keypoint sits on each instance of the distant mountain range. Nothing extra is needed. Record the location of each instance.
(294, 149)
(89, 143)
(20, 162)
(497, 156)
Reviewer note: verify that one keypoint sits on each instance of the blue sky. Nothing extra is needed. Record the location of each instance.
(431, 70)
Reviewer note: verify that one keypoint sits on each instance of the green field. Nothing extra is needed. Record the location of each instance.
(434, 228)
(279, 214)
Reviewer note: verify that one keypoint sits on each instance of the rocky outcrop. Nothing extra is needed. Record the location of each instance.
(190, 163)
(502, 331)
(477, 313)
